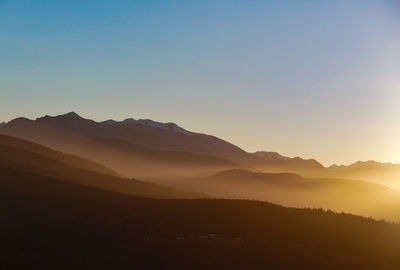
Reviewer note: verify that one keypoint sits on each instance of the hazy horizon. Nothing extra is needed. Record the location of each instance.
(315, 80)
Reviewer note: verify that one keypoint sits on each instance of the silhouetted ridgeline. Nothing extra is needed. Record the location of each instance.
(63, 132)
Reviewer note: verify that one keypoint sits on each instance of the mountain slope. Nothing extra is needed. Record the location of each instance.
(47, 223)
(65, 131)
(131, 160)
(12, 144)
(275, 162)
(21, 155)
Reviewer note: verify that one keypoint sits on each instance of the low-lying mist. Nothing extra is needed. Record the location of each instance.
(351, 196)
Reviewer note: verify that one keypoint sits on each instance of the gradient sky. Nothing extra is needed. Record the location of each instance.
(317, 79)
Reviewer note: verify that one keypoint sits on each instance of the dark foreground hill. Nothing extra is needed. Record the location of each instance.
(46, 223)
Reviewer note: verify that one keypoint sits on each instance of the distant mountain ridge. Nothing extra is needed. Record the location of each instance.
(64, 131)
(270, 155)
(73, 120)
(364, 165)
(70, 131)
(281, 162)
(377, 172)
(288, 189)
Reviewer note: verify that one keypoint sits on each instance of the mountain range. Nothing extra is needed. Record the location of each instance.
(165, 150)
(65, 131)
(72, 198)
(286, 189)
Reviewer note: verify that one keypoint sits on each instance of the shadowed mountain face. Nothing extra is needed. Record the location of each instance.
(48, 223)
(66, 131)
(23, 152)
(21, 155)
(131, 160)
(352, 196)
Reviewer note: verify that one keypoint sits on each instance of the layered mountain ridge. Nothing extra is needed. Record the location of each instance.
(73, 134)
(18, 155)
(64, 131)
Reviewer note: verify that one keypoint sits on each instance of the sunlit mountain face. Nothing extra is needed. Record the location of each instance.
(200, 135)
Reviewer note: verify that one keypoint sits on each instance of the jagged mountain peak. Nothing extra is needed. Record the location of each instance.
(72, 114)
(67, 116)
(19, 120)
(71, 117)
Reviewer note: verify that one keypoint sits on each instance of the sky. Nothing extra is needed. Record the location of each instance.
(316, 79)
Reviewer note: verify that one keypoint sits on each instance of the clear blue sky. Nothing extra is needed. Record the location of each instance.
(318, 79)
